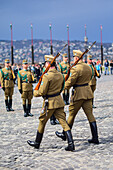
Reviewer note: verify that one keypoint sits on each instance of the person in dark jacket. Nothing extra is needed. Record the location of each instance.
(106, 66)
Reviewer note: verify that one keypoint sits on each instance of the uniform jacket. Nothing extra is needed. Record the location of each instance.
(7, 77)
(79, 75)
(52, 83)
(63, 67)
(25, 79)
(93, 79)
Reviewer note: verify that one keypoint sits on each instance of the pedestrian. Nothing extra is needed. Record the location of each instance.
(111, 66)
(98, 66)
(106, 66)
(25, 80)
(80, 76)
(7, 84)
(37, 72)
(50, 89)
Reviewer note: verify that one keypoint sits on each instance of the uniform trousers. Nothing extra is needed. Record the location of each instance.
(8, 92)
(58, 113)
(75, 107)
(27, 95)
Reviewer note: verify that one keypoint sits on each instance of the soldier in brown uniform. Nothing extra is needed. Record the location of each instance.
(7, 84)
(63, 67)
(50, 89)
(82, 95)
(25, 80)
(93, 80)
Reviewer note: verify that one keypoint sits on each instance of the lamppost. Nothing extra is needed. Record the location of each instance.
(32, 49)
(85, 40)
(68, 45)
(12, 59)
(101, 46)
(51, 49)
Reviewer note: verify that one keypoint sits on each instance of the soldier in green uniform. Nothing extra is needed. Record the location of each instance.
(50, 89)
(25, 80)
(92, 82)
(63, 67)
(7, 84)
(80, 76)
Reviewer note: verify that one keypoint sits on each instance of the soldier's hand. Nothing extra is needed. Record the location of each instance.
(99, 76)
(20, 90)
(3, 88)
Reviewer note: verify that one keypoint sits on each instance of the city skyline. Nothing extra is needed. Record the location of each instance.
(59, 13)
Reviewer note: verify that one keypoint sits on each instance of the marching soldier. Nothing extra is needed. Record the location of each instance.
(82, 95)
(63, 67)
(50, 89)
(53, 119)
(93, 80)
(25, 80)
(7, 84)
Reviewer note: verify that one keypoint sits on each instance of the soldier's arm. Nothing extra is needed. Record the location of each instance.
(43, 87)
(33, 79)
(13, 75)
(72, 79)
(2, 79)
(19, 81)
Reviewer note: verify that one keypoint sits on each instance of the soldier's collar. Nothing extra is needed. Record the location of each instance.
(25, 70)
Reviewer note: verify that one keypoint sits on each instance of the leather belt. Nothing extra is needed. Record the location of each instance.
(52, 95)
(80, 85)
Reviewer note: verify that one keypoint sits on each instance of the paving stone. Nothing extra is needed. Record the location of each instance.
(15, 130)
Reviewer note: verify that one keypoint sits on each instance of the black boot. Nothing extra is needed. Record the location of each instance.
(37, 141)
(61, 135)
(70, 146)
(94, 132)
(25, 110)
(53, 120)
(29, 110)
(7, 106)
(67, 99)
(10, 105)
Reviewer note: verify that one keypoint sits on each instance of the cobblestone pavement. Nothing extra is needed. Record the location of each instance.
(15, 130)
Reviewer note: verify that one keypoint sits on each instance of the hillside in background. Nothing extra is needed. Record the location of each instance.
(22, 49)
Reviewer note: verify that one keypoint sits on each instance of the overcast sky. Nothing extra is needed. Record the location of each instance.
(41, 13)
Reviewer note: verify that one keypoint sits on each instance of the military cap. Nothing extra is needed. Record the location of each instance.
(49, 57)
(25, 61)
(7, 61)
(65, 55)
(77, 53)
(89, 57)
